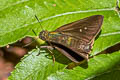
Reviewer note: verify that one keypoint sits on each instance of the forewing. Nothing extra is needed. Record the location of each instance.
(85, 29)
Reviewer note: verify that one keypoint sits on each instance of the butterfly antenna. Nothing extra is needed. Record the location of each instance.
(39, 22)
(34, 32)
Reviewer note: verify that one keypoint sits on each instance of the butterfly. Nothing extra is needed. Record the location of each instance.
(74, 40)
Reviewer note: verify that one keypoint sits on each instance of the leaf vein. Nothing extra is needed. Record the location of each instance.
(18, 2)
(108, 34)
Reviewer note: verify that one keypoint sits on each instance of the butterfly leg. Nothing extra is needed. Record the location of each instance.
(49, 49)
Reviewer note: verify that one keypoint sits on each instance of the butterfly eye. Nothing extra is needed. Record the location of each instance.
(42, 35)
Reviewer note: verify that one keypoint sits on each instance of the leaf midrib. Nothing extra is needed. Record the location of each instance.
(58, 15)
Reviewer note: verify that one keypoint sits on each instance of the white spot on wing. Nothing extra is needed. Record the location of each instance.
(85, 28)
(80, 30)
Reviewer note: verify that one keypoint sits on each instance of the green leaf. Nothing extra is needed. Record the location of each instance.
(17, 21)
(113, 74)
(17, 18)
(34, 67)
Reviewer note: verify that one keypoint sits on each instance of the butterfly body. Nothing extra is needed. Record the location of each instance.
(77, 37)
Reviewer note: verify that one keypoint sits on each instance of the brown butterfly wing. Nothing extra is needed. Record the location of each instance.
(85, 29)
(78, 36)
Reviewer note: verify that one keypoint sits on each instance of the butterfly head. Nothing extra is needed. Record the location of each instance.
(43, 35)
